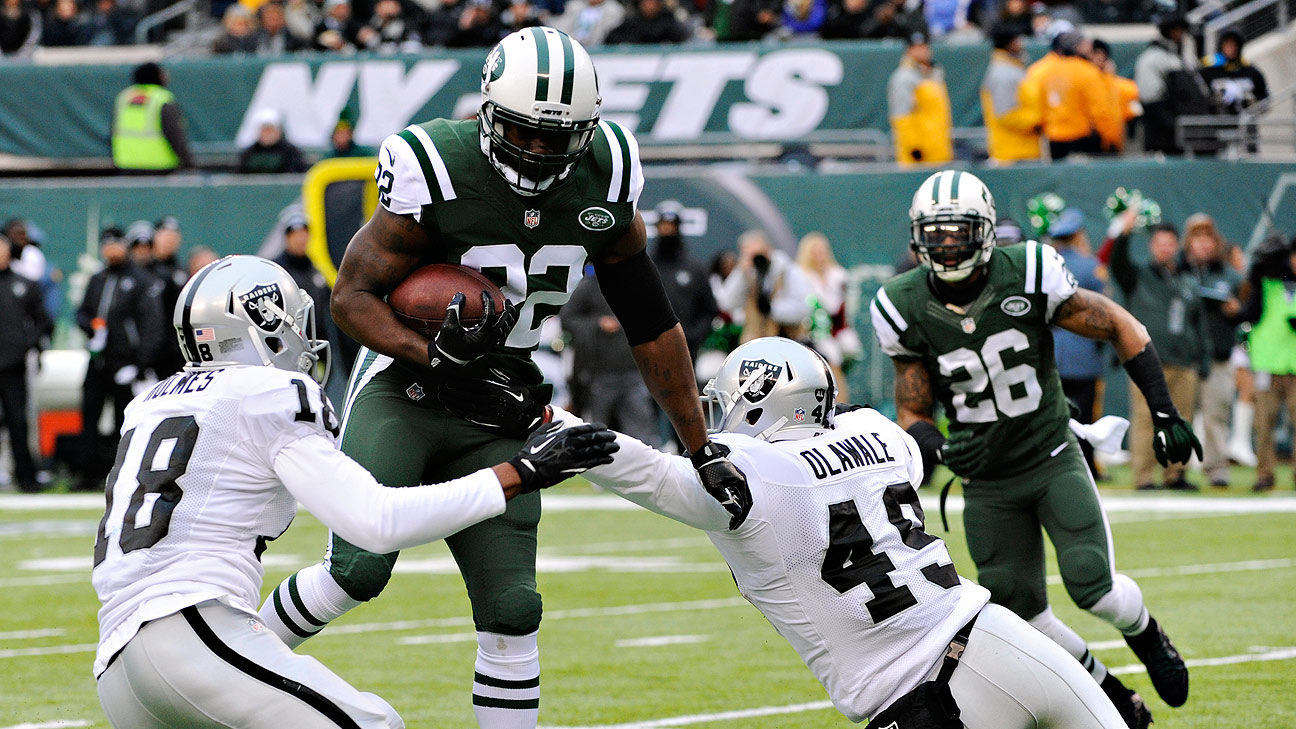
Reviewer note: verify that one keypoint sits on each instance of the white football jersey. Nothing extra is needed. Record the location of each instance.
(193, 495)
(833, 552)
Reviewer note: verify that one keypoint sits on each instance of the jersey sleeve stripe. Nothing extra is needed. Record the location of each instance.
(569, 68)
(1031, 266)
(891, 313)
(618, 160)
(887, 336)
(542, 64)
(627, 164)
(434, 168)
(1039, 267)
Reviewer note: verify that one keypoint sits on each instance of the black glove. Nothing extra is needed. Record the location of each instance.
(456, 345)
(493, 402)
(964, 453)
(552, 455)
(1174, 440)
(722, 479)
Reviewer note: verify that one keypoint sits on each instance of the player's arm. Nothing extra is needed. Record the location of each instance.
(1095, 316)
(915, 408)
(634, 291)
(381, 254)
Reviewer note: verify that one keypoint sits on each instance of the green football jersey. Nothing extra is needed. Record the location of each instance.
(534, 247)
(992, 360)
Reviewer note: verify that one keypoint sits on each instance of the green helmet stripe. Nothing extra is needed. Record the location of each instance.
(569, 68)
(624, 194)
(936, 182)
(954, 186)
(429, 172)
(542, 64)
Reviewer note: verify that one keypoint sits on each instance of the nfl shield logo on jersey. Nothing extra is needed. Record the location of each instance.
(531, 219)
(757, 378)
(415, 392)
(969, 325)
(264, 305)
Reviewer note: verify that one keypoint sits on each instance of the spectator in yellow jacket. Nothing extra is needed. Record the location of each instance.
(1080, 112)
(921, 125)
(1124, 90)
(1010, 107)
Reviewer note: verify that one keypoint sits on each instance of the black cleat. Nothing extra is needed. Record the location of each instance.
(1129, 704)
(1164, 665)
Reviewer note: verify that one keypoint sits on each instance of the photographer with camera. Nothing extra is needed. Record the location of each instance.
(1272, 308)
(767, 292)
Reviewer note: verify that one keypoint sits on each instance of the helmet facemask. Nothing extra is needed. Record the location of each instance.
(526, 171)
(952, 246)
(294, 346)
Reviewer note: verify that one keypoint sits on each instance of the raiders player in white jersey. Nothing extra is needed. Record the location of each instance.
(835, 556)
(211, 464)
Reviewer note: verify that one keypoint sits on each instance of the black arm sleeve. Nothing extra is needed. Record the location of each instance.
(1145, 370)
(634, 290)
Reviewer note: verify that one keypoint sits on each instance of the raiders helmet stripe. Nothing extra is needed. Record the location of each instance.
(542, 64)
(186, 327)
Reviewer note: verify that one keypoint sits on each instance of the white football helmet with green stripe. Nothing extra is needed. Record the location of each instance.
(542, 82)
(952, 224)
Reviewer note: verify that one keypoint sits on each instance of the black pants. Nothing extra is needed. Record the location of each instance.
(13, 401)
(1084, 393)
(1085, 145)
(98, 387)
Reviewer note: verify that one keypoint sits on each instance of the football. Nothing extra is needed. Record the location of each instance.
(421, 299)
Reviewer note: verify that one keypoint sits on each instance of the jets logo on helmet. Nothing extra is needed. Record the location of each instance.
(952, 224)
(540, 107)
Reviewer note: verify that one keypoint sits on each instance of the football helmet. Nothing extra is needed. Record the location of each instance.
(771, 388)
(542, 82)
(245, 310)
(952, 204)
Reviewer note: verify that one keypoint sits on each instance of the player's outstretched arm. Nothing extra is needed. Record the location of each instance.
(381, 254)
(1095, 316)
(915, 407)
(343, 495)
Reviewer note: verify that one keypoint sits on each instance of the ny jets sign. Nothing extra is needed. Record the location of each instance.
(739, 95)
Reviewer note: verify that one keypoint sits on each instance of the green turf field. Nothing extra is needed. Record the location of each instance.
(643, 627)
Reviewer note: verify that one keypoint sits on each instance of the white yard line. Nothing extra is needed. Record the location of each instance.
(48, 651)
(29, 634)
(49, 725)
(41, 581)
(1277, 654)
(657, 641)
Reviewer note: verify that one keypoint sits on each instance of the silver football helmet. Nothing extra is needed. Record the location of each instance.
(771, 388)
(245, 310)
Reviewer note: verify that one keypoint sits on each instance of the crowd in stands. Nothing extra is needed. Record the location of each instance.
(272, 27)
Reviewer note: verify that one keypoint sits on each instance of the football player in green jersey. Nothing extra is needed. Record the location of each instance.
(527, 193)
(970, 328)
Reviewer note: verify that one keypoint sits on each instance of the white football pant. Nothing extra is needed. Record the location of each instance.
(213, 666)
(1012, 676)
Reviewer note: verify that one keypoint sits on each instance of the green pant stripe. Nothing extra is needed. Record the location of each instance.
(298, 603)
(491, 702)
(525, 683)
(287, 620)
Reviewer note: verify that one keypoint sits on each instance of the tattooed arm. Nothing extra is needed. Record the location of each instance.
(913, 393)
(382, 253)
(1095, 316)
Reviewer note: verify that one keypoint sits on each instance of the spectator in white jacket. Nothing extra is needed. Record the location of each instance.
(767, 292)
(590, 21)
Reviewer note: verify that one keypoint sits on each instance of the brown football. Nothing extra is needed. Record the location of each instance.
(421, 299)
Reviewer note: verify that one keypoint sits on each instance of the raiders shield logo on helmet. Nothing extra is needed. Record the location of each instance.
(264, 306)
(757, 378)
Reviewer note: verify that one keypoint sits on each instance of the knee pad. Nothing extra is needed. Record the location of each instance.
(1008, 590)
(362, 574)
(516, 611)
(1086, 572)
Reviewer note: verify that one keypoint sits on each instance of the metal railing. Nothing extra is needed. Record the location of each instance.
(1263, 127)
(188, 8)
(1253, 19)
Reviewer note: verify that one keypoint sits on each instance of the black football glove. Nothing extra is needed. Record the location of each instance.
(494, 403)
(1173, 440)
(552, 455)
(456, 345)
(722, 479)
(964, 454)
